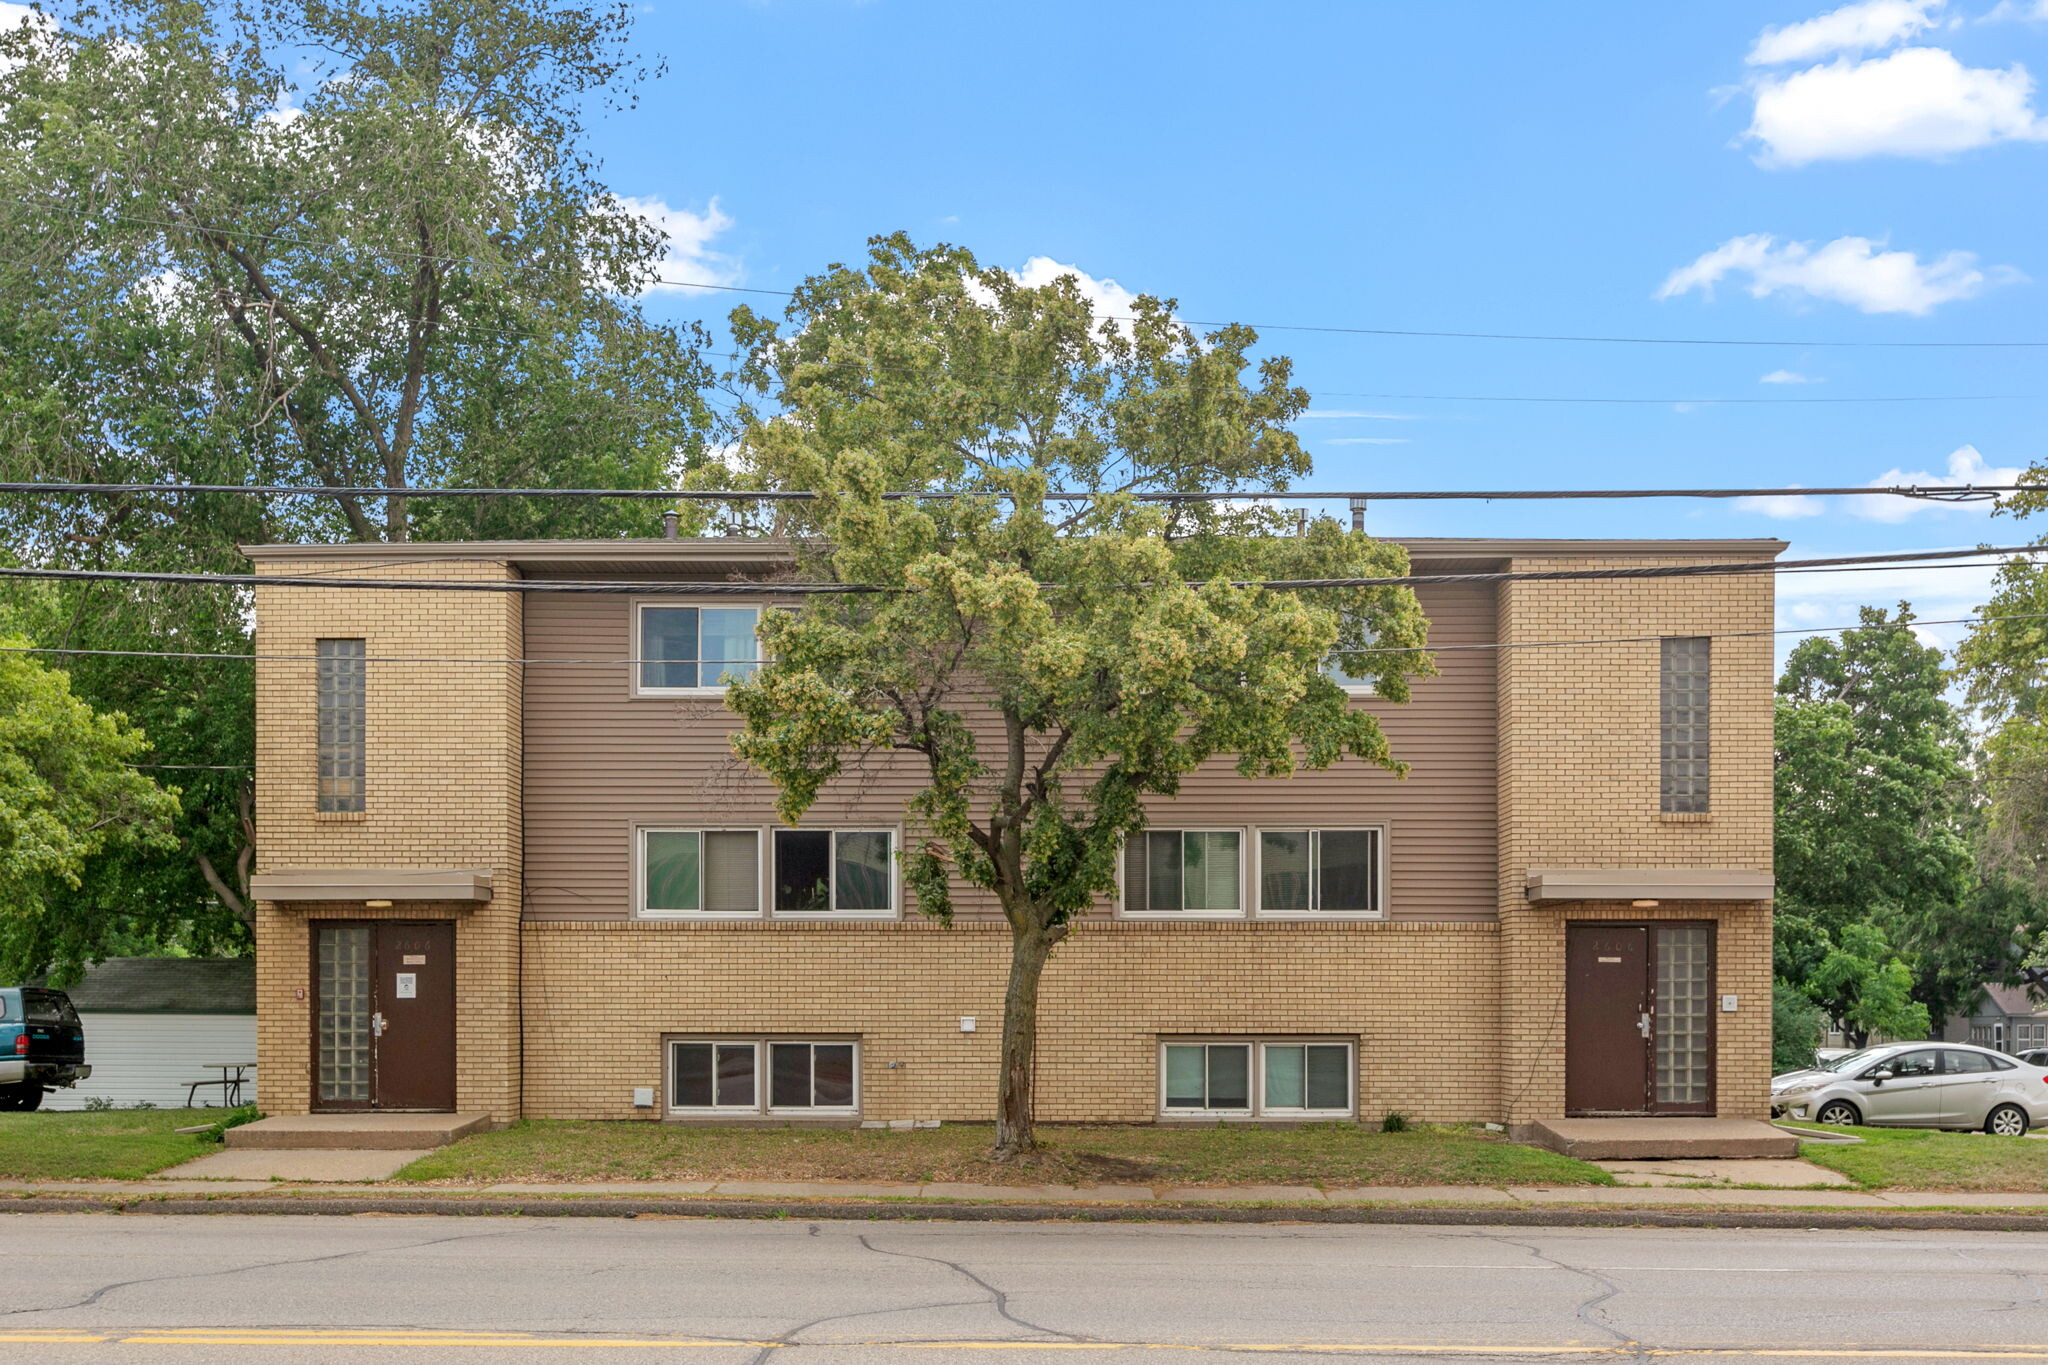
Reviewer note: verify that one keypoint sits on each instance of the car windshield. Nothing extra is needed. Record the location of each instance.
(1854, 1060)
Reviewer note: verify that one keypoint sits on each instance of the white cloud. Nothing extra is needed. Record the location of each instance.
(1336, 413)
(13, 16)
(1918, 101)
(1789, 377)
(1849, 270)
(1860, 27)
(1809, 600)
(1784, 507)
(688, 258)
(2033, 10)
(1106, 298)
(1366, 441)
(1965, 466)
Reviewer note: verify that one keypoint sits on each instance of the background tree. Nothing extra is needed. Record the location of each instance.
(301, 243)
(1876, 873)
(68, 792)
(1047, 665)
(2004, 663)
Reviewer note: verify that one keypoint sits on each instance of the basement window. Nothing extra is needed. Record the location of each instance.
(1279, 1078)
(725, 1077)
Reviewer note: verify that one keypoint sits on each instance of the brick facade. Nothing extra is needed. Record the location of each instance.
(1455, 1018)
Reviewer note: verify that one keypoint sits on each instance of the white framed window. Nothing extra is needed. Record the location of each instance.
(751, 1077)
(694, 648)
(846, 872)
(1185, 872)
(1356, 686)
(697, 873)
(1322, 872)
(1281, 1078)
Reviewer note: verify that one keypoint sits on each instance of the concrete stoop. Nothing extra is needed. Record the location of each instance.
(1636, 1139)
(356, 1132)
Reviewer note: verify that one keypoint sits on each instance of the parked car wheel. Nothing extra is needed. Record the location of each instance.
(2007, 1120)
(21, 1097)
(1840, 1113)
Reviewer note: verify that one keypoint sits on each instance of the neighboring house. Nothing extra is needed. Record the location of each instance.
(153, 1024)
(505, 870)
(2008, 1018)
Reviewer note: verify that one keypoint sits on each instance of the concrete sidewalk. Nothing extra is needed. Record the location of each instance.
(1052, 1197)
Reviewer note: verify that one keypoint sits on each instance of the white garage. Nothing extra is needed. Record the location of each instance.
(153, 1025)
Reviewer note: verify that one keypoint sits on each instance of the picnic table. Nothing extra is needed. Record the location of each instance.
(232, 1075)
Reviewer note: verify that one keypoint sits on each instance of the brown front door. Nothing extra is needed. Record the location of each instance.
(384, 1015)
(1639, 1021)
(1606, 1019)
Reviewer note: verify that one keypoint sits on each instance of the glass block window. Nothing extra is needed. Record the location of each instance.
(342, 957)
(1255, 1078)
(342, 714)
(1685, 983)
(700, 872)
(720, 1076)
(685, 649)
(1304, 871)
(1168, 871)
(1683, 688)
(835, 871)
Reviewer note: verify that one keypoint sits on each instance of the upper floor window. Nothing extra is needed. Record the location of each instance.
(696, 648)
(1319, 871)
(1334, 671)
(1178, 871)
(686, 872)
(835, 871)
(341, 710)
(1684, 680)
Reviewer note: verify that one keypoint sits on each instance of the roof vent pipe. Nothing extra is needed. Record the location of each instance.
(669, 524)
(1358, 514)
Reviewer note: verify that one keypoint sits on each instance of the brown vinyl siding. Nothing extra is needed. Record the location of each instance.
(599, 763)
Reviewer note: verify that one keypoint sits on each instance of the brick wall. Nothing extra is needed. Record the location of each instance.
(1578, 788)
(1418, 998)
(443, 781)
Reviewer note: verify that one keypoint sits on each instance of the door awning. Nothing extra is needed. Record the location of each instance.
(1648, 884)
(372, 884)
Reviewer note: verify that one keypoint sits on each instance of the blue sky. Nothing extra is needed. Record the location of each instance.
(1876, 172)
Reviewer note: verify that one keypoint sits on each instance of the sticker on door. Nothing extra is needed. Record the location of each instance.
(408, 986)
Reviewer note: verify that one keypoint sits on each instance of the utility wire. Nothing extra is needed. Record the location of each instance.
(1975, 492)
(1260, 326)
(771, 588)
(617, 663)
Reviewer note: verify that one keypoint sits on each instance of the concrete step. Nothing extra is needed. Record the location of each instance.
(1661, 1138)
(356, 1132)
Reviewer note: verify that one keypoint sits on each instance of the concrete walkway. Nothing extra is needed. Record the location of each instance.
(1468, 1196)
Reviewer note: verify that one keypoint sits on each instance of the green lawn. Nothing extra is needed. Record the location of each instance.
(113, 1144)
(1923, 1159)
(1322, 1154)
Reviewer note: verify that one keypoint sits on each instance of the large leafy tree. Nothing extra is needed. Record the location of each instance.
(69, 794)
(2004, 662)
(1045, 665)
(1876, 877)
(302, 242)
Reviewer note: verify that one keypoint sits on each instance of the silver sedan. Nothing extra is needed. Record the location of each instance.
(1915, 1085)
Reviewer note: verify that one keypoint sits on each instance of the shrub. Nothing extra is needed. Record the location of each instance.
(1394, 1122)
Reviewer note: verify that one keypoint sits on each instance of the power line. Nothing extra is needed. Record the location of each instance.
(1975, 492)
(771, 588)
(619, 663)
(1260, 326)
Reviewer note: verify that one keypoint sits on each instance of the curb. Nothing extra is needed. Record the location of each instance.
(822, 1210)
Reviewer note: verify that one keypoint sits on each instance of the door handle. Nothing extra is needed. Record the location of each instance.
(377, 1025)
(1643, 1023)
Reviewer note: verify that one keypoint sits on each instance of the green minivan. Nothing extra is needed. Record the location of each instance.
(42, 1045)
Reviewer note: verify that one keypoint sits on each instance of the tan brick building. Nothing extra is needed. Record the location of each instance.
(508, 865)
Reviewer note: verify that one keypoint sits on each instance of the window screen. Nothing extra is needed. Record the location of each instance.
(341, 716)
(1682, 721)
(1173, 869)
(714, 1076)
(1206, 1076)
(848, 870)
(1323, 869)
(686, 871)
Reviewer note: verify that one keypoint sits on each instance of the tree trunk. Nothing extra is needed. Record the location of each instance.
(1030, 946)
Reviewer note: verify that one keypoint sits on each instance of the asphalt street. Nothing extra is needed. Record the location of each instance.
(158, 1288)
